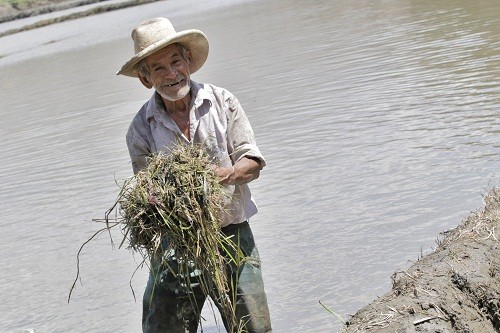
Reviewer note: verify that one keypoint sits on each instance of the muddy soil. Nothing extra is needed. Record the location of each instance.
(28, 8)
(454, 289)
(15, 10)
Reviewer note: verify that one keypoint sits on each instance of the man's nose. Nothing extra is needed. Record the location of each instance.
(170, 72)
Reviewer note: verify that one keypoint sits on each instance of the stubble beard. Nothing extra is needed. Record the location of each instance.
(180, 94)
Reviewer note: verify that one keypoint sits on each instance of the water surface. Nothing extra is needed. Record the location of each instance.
(379, 122)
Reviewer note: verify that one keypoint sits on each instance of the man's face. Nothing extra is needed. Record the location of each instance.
(169, 72)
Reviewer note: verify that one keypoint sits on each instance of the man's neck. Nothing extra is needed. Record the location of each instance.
(180, 106)
(179, 112)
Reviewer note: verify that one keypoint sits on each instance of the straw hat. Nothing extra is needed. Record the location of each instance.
(155, 34)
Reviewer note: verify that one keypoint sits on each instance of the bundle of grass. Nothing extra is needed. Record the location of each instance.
(178, 197)
(177, 200)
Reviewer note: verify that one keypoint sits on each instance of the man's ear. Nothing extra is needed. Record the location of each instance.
(145, 81)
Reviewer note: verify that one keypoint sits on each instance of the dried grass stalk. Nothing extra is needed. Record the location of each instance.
(178, 197)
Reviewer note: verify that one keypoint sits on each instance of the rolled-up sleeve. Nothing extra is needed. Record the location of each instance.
(241, 137)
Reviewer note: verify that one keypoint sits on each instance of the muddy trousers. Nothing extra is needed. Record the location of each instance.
(168, 304)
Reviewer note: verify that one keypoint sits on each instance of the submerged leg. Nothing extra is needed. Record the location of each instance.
(172, 303)
(252, 311)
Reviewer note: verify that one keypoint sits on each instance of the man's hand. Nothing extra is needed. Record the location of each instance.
(244, 171)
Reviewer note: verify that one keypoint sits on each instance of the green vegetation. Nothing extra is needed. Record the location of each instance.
(178, 198)
(175, 206)
(25, 3)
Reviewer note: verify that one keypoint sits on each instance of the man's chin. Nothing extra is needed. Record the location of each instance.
(180, 94)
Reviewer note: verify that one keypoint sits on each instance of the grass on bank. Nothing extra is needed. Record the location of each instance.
(29, 3)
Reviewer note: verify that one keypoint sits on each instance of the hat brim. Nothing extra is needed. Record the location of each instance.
(194, 40)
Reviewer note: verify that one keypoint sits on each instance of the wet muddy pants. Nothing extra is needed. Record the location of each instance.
(168, 304)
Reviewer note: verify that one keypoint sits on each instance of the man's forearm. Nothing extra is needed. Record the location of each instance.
(242, 172)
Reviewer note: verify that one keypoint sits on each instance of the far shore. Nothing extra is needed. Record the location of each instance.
(10, 11)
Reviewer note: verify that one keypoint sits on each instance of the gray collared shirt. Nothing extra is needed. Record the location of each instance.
(217, 120)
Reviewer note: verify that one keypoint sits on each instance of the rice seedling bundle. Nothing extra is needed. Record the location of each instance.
(178, 197)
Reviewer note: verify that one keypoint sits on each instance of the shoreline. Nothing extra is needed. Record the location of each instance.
(10, 12)
(39, 7)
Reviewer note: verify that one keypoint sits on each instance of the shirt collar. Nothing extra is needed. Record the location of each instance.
(200, 94)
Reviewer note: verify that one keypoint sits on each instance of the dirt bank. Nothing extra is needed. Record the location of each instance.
(10, 11)
(14, 10)
(454, 289)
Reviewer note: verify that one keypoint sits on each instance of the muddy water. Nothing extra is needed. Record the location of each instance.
(379, 121)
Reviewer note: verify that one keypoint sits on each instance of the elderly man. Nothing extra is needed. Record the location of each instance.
(183, 111)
